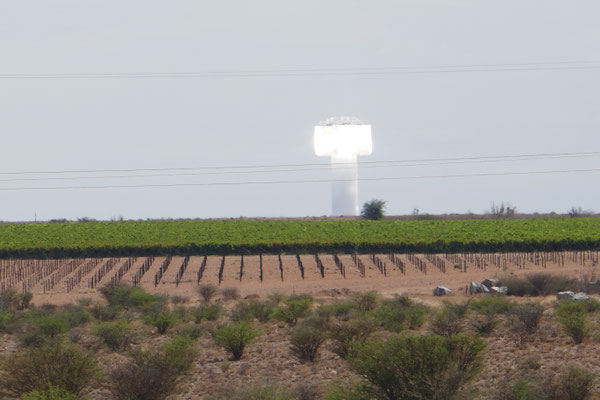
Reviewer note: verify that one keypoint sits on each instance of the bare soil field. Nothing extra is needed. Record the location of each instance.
(326, 275)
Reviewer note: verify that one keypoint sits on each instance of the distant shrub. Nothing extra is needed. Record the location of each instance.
(585, 306)
(65, 367)
(400, 313)
(210, 312)
(449, 320)
(490, 305)
(342, 310)
(178, 300)
(11, 300)
(574, 383)
(413, 366)
(251, 309)
(75, 316)
(337, 391)
(484, 324)
(104, 313)
(275, 298)
(51, 393)
(8, 321)
(152, 375)
(576, 212)
(44, 329)
(85, 302)
(365, 301)
(162, 320)
(115, 334)
(193, 331)
(234, 338)
(537, 284)
(254, 392)
(575, 325)
(373, 209)
(292, 310)
(545, 284)
(129, 296)
(230, 293)
(345, 333)
(525, 317)
(306, 341)
(207, 292)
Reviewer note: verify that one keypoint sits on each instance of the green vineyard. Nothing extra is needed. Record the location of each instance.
(224, 237)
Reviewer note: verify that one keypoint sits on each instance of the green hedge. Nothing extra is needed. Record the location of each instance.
(223, 237)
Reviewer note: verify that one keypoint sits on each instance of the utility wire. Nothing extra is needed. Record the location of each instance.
(301, 181)
(307, 165)
(458, 68)
(238, 172)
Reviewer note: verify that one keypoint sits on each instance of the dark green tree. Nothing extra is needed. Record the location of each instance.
(373, 209)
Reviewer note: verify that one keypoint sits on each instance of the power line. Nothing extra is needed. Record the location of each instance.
(391, 70)
(301, 181)
(386, 164)
(516, 157)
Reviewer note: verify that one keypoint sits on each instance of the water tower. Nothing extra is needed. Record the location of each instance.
(343, 139)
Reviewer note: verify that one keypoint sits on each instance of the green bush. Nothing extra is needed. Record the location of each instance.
(337, 391)
(490, 305)
(234, 338)
(575, 325)
(44, 329)
(247, 310)
(293, 309)
(210, 312)
(306, 341)
(484, 324)
(52, 393)
(64, 366)
(128, 296)
(8, 321)
(400, 313)
(75, 316)
(192, 331)
(345, 333)
(104, 313)
(152, 375)
(365, 301)
(115, 334)
(569, 306)
(412, 366)
(162, 320)
(449, 320)
(342, 310)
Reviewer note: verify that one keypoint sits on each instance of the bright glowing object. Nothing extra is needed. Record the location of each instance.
(343, 139)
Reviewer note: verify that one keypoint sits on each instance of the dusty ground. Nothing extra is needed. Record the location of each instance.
(269, 360)
(415, 281)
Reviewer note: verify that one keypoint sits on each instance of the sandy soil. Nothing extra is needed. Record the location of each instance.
(263, 275)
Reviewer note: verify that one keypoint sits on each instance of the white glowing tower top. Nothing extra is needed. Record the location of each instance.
(343, 139)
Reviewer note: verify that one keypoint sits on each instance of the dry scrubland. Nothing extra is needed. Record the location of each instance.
(123, 342)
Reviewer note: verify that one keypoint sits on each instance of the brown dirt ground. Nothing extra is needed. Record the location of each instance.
(269, 360)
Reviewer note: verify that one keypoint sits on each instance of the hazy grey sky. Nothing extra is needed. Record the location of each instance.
(83, 124)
